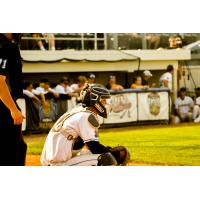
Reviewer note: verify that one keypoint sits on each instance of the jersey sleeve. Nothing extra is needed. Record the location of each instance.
(28, 93)
(191, 102)
(52, 90)
(198, 101)
(167, 77)
(40, 90)
(35, 92)
(176, 104)
(87, 131)
(59, 89)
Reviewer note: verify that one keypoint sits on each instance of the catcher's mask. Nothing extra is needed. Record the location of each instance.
(97, 97)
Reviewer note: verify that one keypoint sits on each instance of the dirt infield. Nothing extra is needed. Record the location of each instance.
(34, 160)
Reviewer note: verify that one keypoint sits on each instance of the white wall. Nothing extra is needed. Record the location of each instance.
(129, 66)
(185, 82)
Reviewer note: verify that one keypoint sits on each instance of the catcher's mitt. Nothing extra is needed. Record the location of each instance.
(121, 154)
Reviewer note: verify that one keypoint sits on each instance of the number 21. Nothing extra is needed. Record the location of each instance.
(3, 63)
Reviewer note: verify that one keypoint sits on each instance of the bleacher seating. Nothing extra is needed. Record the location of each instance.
(125, 41)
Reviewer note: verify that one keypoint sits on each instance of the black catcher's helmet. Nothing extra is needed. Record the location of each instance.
(92, 95)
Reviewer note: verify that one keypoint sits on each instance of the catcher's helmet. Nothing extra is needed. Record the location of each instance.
(92, 95)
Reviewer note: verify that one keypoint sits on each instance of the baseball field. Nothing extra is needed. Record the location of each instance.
(163, 145)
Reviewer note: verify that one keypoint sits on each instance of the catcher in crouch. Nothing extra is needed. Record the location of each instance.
(77, 129)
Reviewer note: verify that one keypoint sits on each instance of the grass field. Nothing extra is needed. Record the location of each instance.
(155, 145)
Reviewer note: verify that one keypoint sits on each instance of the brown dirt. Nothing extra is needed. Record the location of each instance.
(33, 160)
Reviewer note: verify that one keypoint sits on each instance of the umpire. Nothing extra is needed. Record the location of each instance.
(12, 146)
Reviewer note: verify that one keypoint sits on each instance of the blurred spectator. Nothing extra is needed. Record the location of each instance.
(33, 93)
(65, 93)
(137, 83)
(63, 87)
(91, 78)
(112, 84)
(47, 112)
(183, 107)
(172, 42)
(179, 41)
(166, 79)
(196, 111)
(77, 87)
(175, 42)
(45, 89)
(145, 78)
(28, 90)
(47, 43)
(153, 41)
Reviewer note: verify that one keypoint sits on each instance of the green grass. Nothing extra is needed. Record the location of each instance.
(166, 145)
(35, 143)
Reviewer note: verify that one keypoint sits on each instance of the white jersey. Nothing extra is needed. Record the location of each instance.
(61, 90)
(167, 76)
(32, 93)
(74, 86)
(28, 93)
(59, 143)
(35, 92)
(41, 90)
(184, 106)
(198, 101)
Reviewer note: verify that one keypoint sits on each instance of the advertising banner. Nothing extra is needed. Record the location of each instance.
(153, 106)
(123, 108)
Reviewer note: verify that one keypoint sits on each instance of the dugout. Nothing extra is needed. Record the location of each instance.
(123, 64)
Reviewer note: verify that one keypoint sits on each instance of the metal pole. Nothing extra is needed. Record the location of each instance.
(82, 41)
(115, 41)
(48, 39)
(105, 41)
(144, 42)
(95, 41)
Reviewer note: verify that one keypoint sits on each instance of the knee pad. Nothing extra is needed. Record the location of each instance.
(106, 159)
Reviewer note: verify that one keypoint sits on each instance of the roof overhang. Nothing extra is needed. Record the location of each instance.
(103, 55)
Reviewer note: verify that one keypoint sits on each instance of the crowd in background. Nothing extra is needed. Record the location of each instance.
(47, 102)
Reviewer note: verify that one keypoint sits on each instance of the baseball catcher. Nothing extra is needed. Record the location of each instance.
(73, 139)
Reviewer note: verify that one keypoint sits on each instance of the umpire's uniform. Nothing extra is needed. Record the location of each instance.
(12, 146)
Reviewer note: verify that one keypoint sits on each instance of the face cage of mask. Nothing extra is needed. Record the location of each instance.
(103, 110)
